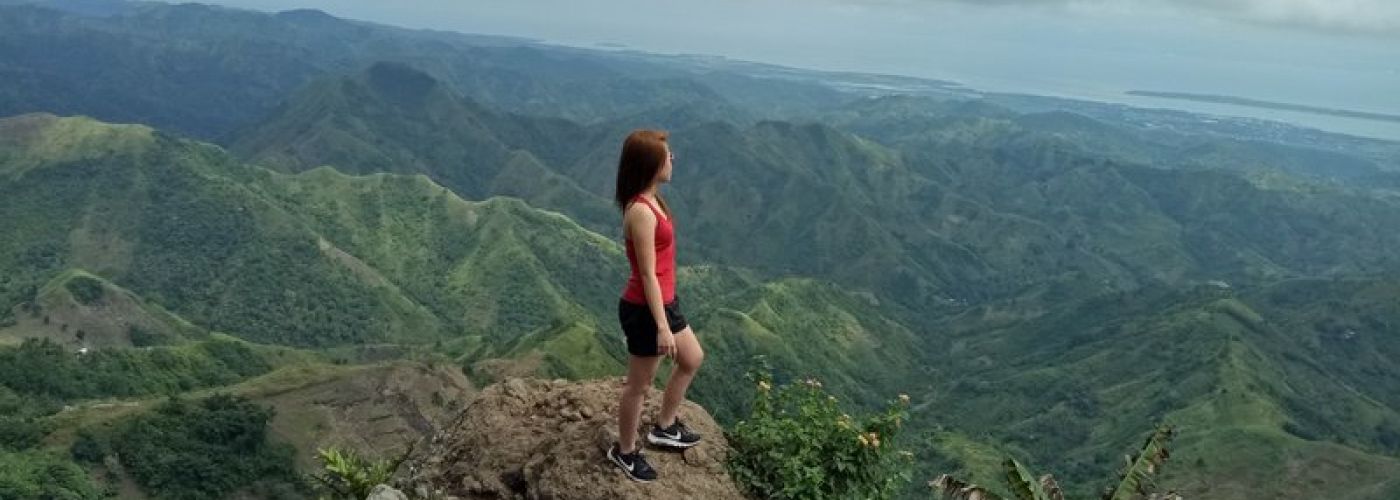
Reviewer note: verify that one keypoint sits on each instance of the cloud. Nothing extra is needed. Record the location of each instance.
(1380, 17)
(1363, 16)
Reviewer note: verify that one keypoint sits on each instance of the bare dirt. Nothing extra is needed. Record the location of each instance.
(533, 439)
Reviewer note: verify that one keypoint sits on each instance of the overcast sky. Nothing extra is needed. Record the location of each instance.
(1339, 53)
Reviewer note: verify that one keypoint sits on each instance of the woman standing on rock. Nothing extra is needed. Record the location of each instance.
(649, 312)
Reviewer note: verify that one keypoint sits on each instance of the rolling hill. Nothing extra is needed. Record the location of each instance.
(401, 216)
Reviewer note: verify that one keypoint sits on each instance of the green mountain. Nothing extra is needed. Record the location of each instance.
(530, 285)
(425, 255)
(925, 125)
(801, 327)
(165, 219)
(379, 122)
(497, 268)
(375, 259)
(395, 119)
(126, 237)
(1046, 285)
(1052, 236)
(982, 204)
(312, 259)
(205, 71)
(1248, 384)
(972, 222)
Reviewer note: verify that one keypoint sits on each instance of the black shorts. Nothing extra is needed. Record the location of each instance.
(640, 327)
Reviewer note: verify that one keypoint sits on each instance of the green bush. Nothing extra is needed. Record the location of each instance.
(89, 448)
(20, 433)
(204, 449)
(40, 475)
(85, 290)
(141, 337)
(798, 444)
(350, 476)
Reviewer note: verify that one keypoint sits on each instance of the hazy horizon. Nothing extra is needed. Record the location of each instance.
(1343, 54)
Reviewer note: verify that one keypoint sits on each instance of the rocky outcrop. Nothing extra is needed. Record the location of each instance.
(530, 439)
(377, 410)
(385, 492)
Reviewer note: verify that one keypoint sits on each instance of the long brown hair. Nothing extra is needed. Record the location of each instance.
(643, 154)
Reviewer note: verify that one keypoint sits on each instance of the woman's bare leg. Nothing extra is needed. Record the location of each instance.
(689, 355)
(641, 370)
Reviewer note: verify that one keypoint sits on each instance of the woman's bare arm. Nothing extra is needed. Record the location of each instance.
(641, 225)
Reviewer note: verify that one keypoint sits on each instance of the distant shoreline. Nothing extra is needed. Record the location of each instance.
(1255, 103)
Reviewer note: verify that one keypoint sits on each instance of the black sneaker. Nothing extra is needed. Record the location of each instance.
(634, 464)
(675, 436)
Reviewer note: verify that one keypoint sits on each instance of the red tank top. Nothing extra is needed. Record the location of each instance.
(665, 261)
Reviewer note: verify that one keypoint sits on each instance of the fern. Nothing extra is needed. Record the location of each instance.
(351, 476)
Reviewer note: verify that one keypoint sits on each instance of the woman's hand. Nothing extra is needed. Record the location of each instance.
(665, 342)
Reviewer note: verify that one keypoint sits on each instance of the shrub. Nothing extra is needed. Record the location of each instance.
(202, 449)
(798, 444)
(87, 291)
(21, 433)
(89, 448)
(351, 476)
(40, 475)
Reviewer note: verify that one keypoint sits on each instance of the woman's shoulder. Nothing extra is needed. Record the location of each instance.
(638, 210)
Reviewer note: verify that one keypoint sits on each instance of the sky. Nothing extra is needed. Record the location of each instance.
(1333, 53)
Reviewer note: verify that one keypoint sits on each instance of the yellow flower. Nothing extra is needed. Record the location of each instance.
(863, 440)
(763, 386)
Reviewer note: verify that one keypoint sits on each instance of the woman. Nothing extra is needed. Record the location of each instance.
(649, 312)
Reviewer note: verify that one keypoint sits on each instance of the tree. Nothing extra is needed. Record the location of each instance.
(1134, 482)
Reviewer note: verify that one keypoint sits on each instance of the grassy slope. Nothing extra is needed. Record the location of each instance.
(1070, 390)
(110, 317)
(165, 219)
